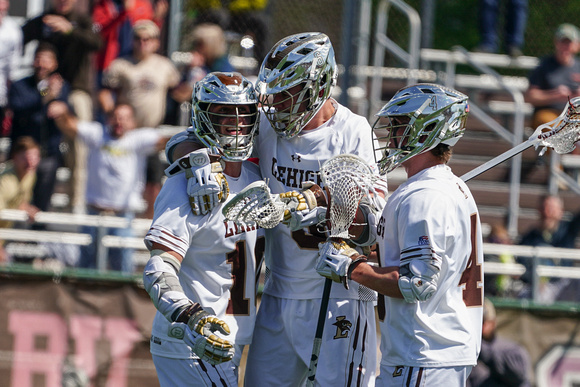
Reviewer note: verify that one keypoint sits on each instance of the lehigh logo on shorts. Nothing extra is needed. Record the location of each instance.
(423, 240)
(342, 327)
(398, 371)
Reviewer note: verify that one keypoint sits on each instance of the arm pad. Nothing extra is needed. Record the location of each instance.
(418, 280)
(161, 282)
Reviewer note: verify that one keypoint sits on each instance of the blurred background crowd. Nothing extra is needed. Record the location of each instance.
(81, 80)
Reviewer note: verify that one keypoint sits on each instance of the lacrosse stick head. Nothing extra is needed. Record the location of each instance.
(562, 133)
(255, 205)
(348, 178)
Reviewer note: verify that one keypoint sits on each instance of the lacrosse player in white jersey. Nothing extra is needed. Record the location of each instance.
(429, 240)
(300, 128)
(202, 272)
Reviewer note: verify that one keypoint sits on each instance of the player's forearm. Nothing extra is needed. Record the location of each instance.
(384, 280)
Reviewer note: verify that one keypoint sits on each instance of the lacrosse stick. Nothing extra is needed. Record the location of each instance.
(559, 134)
(348, 178)
(255, 205)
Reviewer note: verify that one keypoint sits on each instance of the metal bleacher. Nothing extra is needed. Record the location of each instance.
(500, 117)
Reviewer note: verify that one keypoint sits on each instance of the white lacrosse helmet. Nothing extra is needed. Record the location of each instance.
(305, 60)
(225, 90)
(416, 120)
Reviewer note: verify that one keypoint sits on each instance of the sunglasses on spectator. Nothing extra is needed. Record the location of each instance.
(143, 38)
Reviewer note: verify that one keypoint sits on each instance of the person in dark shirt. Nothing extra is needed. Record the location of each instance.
(29, 99)
(501, 362)
(552, 231)
(557, 77)
(71, 32)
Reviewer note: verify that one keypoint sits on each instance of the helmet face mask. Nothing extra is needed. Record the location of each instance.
(225, 114)
(416, 120)
(295, 80)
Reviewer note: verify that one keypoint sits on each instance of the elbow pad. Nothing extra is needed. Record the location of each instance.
(161, 282)
(418, 280)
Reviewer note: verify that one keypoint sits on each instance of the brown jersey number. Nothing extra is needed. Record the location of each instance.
(471, 277)
(238, 303)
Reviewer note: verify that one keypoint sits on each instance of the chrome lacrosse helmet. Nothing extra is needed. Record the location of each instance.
(417, 119)
(295, 80)
(225, 114)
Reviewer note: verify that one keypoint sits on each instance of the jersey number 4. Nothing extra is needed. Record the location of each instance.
(471, 278)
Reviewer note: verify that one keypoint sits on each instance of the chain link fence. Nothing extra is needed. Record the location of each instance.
(452, 22)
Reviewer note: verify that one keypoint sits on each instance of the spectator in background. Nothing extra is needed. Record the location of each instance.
(10, 52)
(29, 99)
(556, 78)
(17, 180)
(501, 285)
(552, 231)
(515, 26)
(71, 32)
(142, 81)
(116, 164)
(209, 51)
(245, 17)
(501, 362)
(208, 54)
(114, 20)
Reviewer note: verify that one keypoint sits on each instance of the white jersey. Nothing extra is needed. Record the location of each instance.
(433, 213)
(10, 52)
(286, 163)
(116, 165)
(218, 270)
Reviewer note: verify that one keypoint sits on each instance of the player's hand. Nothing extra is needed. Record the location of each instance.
(304, 208)
(199, 334)
(335, 261)
(206, 184)
(206, 188)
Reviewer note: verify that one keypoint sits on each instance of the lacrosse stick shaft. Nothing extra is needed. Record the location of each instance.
(319, 331)
(499, 159)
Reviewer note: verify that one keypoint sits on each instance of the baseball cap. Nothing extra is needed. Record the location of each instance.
(567, 31)
(147, 26)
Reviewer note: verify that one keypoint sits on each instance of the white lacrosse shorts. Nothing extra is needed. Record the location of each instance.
(402, 376)
(194, 372)
(281, 347)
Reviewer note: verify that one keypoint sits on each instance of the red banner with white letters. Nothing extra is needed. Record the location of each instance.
(93, 334)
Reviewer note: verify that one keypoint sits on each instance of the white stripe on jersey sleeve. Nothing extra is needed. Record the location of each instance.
(164, 237)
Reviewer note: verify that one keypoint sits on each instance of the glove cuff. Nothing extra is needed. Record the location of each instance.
(315, 196)
(310, 199)
(357, 260)
(188, 312)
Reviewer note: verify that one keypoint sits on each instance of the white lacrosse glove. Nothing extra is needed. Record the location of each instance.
(199, 335)
(206, 184)
(304, 208)
(337, 260)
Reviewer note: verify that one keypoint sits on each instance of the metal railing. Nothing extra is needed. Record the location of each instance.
(450, 60)
(140, 226)
(66, 221)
